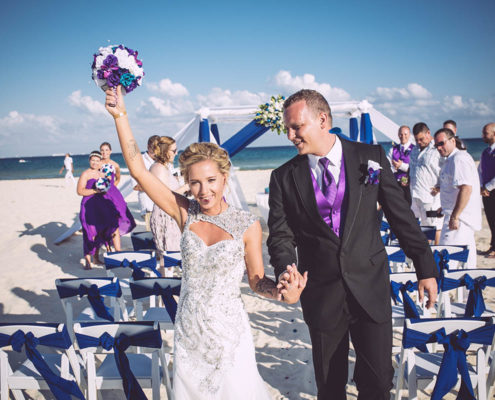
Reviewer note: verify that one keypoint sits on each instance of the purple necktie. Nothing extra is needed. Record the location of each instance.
(328, 185)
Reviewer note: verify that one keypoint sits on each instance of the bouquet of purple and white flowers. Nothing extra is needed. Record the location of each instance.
(103, 184)
(117, 65)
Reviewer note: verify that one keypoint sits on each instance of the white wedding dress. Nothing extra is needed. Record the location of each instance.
(214, 351)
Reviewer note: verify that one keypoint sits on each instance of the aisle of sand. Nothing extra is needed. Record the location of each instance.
(35, 212)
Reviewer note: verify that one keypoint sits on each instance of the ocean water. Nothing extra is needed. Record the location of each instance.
(250, 158)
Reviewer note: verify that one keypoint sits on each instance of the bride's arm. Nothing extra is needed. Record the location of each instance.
(172, 203)
(258, 281)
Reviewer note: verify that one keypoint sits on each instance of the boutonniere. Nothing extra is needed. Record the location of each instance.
(372, 173)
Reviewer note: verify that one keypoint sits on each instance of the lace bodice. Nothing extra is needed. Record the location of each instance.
(211, 316)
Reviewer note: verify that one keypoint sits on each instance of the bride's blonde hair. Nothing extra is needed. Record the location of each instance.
(198, 152)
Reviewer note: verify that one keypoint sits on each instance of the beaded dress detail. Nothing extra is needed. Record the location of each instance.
(213, 341)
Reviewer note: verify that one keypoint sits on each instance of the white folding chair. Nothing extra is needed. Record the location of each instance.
(475, 280)
(457, 255)
(172, 261)
(126, 369)
(75, 292)
(438, 371)
(397, 259)
(40, 371)
(448, 258)
(404, 293)
(150, 288)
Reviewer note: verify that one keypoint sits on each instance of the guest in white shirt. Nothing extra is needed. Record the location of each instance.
(459, 195)
(145, 202)
(399, 156)
(424, 170)
(69, 170)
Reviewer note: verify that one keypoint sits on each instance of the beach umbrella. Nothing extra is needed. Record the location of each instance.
(353, 129)
(366, 129)
(204, 131)
(244, 137)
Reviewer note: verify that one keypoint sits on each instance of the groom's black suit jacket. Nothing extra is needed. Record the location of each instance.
(357, 261)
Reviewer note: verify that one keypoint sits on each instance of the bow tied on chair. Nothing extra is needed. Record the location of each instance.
(475, 305)
(166, 294)
(120, 344)
(442, 259)
(454, 359)
(61, 388)
(410, 309)
(96, 301)
(137, 273)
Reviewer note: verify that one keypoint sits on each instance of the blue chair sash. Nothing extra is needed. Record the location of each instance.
(61, 388)
(166, 293)
(120, 344)
(136, 266)
(398, 256)
(94, 296)
(171, 262)
(410, 309)
(475, 305)
(454, 358)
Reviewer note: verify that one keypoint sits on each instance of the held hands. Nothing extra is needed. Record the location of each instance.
(430, 286)
(291, 284)
(114, 102)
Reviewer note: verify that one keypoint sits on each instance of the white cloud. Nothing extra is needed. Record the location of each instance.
(86, 103)
(168, 88)
(225, 98)
(16, 121)
(418, 92)
(468, 106)
(164, 107)
(285, 81)
(412, 91)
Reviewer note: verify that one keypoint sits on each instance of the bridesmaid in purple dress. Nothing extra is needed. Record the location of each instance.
(104, 215)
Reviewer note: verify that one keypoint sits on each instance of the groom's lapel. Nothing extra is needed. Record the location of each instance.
(354, 186)
(304, 187)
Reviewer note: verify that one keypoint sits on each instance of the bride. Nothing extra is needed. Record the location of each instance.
(214, 351)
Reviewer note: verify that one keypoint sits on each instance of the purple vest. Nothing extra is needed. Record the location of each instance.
(331, 212)
(404, 155)
(487, 165)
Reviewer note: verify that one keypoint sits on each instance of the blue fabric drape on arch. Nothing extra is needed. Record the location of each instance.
(353, 129)
(366, 129)
(215, 132)
(204, 131)
(244, 137)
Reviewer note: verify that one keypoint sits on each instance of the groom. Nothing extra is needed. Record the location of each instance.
(323, 217)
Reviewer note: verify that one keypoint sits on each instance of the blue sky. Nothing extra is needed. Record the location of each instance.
(414, 61)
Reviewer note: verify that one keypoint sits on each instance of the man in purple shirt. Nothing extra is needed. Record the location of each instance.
(323, 217)
(487, 180)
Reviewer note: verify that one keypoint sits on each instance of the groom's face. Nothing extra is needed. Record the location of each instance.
(303, 127)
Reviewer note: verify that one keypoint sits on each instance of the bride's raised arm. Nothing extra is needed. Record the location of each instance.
(172, 203)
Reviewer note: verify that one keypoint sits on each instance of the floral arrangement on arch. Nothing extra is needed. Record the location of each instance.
(117, 65)
(271, 115)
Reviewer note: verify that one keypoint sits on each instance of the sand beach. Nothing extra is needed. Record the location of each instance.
(35, 212)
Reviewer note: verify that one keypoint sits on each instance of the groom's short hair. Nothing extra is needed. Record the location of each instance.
(314, 100)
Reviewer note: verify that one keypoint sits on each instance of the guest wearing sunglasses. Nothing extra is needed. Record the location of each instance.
(459, 194)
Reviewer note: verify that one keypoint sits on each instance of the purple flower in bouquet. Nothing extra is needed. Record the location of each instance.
(114, 65)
